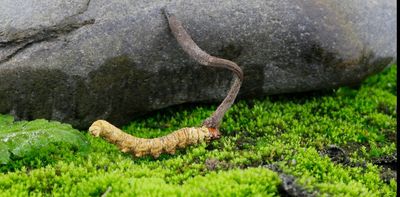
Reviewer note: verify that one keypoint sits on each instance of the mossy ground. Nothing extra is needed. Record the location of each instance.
(333, 143)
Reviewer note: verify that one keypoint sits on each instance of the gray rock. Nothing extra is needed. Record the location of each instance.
(79, 60)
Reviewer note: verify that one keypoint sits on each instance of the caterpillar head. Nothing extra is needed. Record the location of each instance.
(96, 127)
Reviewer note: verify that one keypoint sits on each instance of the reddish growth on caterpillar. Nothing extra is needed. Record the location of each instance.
(185, 136)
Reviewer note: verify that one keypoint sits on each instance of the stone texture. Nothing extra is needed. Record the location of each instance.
(79, 60)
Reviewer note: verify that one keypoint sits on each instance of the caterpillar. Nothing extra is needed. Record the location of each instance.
(183, 137)
(141, 146)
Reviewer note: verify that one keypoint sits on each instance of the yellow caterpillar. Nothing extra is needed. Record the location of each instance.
(140, 146)
(185, 136)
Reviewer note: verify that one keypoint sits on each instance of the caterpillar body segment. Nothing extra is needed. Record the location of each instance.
(140, 146)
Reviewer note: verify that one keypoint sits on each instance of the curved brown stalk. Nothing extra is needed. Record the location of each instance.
(185, 136)
(194, 51)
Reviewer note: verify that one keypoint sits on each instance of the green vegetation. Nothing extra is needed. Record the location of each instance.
(36, 143)
(293, 132)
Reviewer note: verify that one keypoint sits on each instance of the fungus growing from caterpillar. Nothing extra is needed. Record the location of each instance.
(185, 136)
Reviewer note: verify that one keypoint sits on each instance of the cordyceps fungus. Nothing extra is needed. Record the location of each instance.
(184, 137)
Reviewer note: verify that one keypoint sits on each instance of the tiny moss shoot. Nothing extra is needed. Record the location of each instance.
(293, 132)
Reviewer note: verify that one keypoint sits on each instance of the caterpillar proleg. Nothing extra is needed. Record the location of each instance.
(186, 136)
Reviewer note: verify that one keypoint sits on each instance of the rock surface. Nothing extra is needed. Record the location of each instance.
(79, 60)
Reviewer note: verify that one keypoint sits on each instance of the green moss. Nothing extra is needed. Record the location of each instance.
(292, 131)
(59, 179)
(320, 173)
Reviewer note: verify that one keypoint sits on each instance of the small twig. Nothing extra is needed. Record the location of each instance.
(109, 188)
